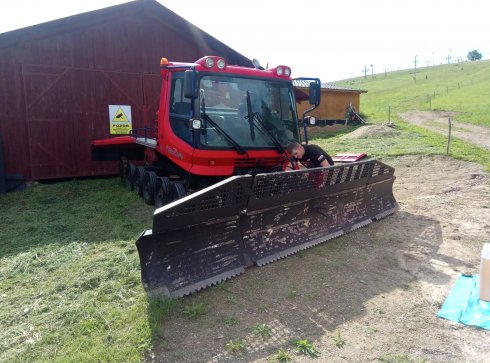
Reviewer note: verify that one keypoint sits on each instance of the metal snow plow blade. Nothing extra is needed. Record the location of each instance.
(215, 233)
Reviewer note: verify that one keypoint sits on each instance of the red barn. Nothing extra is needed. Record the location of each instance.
(59, 78)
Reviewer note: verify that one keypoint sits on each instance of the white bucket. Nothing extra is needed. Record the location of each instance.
(485, 273)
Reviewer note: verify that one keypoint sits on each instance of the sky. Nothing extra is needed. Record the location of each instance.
(331, 40)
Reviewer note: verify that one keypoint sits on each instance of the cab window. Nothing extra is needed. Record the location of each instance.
(180, 108)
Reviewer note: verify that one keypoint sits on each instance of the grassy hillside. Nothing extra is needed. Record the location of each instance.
(463, 88)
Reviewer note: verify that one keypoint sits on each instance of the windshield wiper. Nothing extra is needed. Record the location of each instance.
(208, 119)
(252, 116)
(227, 136)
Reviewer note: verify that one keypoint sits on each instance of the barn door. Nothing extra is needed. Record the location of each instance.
(67, 107)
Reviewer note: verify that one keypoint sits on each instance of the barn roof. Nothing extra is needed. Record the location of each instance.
(149, 8)
(327, 86)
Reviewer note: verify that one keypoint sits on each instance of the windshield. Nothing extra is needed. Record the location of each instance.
(225, 103)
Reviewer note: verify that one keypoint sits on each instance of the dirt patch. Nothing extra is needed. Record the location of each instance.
(371, 131)
(437, 121)
(377, 289)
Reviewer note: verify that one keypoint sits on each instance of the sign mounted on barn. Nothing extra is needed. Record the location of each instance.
(120, 119)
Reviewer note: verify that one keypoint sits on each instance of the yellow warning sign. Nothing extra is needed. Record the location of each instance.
(120, 116)
(120, 129)
(120, 119)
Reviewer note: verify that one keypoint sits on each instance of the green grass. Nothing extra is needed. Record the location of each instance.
(195, 310)
(283, 356)
(412, 140)
(304, 346)
(262, 330)
(339, 340)
(69, 274)
(235, 347)
(231, 320)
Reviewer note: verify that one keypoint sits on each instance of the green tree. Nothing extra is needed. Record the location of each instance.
(474, 55)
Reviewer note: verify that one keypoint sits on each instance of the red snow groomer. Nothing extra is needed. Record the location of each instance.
(215, 167)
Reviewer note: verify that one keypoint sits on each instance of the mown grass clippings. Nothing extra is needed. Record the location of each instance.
(69, 274)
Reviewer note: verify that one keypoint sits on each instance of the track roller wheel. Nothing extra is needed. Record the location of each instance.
(162, 191)
(177, 191)
(149, 187)
(140, 180)
(130, 177)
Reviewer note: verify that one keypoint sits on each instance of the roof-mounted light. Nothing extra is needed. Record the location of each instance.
(221, 63)
(212, 62)
(209, 62)
(282, 71)
(163, 62)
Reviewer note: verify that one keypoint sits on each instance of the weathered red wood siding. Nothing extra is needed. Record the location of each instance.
(58, 78)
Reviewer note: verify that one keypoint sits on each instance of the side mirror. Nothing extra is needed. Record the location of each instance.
(190, 84)
(315, 93)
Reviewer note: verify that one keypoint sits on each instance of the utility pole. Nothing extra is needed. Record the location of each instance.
(372, 73)
(415, 63)
(365, 72)
(432, 59)
(449, 57)
(386, 69)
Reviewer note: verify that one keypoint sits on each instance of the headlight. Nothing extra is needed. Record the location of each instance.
(287, 71)
(279, 71)
(196, 124)
(209, 62)
(221, 63)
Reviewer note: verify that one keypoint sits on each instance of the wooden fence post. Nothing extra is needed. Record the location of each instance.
(449, 136)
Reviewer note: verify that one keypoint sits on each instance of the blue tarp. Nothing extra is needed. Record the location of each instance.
(463, 304)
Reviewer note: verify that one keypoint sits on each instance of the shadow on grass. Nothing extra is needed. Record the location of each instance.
(89, 210)
(304, 296)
